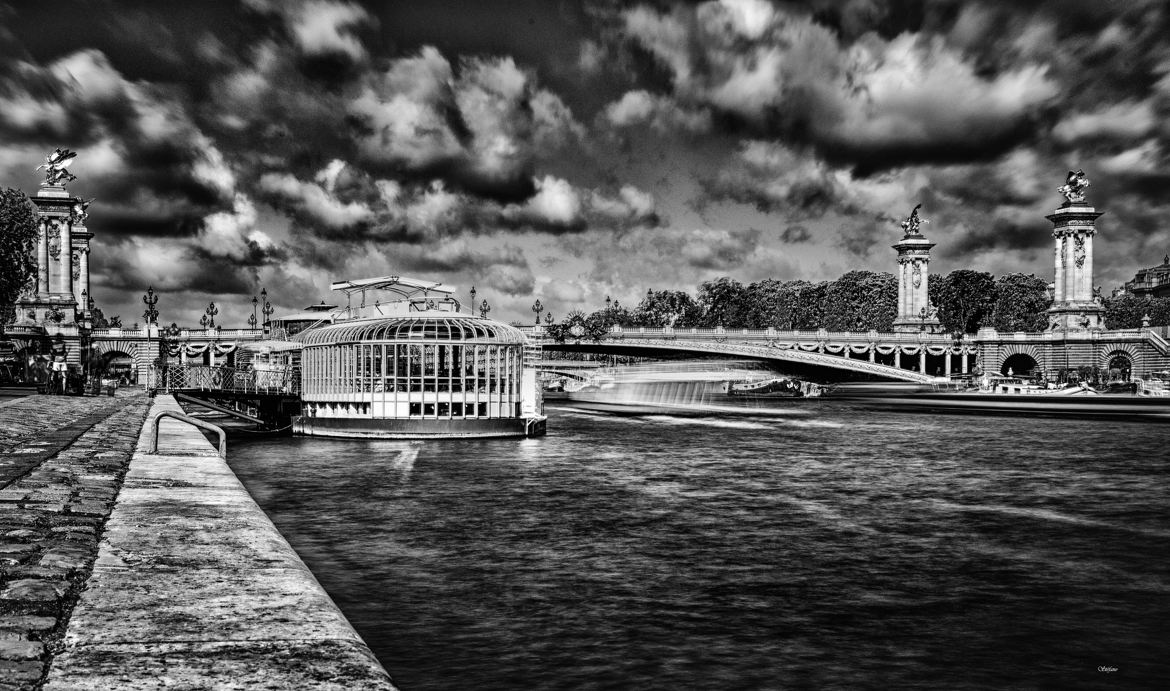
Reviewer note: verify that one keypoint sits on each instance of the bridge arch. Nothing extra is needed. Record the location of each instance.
(1124, 357)
(797, 355)
(1018, 355)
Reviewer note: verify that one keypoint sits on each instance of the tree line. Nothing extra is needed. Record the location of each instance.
(965, 300)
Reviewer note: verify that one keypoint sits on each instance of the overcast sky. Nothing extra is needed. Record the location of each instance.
(573, 150)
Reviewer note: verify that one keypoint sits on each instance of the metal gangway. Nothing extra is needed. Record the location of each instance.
(267, 381)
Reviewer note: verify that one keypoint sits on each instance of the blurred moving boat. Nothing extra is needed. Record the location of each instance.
(781, 387)
(1005, 396)
(1157, 384)
(703, 387)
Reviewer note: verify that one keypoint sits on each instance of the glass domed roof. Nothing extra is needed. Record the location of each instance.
(441, 327)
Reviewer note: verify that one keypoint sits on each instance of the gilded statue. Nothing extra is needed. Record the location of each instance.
(1074, 186)
(56, 168)
(910, 225)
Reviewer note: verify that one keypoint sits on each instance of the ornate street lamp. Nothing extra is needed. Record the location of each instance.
(922, 315)
(538, 308)
(253, 320)
(268, 309)
(472, 298)
(548, 319)
(210, 313)
(151, 314)
(203, 321)
(484, 308)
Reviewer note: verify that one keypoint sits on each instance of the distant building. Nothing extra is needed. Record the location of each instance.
(1151, 282)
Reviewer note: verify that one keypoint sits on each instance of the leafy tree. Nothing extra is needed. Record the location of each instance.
(723, 303)
(1160, 312)
(663, 308)
(1021, 301)
(964, 299)
(808, 304)
(768, 305)
(861, 300)
(1126, 311)
(18, 237)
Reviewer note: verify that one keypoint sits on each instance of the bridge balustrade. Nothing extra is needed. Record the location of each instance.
(765, 334)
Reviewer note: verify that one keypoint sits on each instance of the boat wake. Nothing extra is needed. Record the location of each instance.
(1047, 515)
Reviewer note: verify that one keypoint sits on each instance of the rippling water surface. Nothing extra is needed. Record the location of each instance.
(832, 548)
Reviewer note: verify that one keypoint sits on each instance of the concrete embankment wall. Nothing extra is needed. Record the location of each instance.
(195, 588)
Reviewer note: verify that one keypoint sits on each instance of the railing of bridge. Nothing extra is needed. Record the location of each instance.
(228, 379)
(1156, 334)
(720, 334)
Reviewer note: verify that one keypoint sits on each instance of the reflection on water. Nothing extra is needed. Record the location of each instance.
(824, 550)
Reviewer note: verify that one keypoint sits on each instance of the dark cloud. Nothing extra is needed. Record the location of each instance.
(795, 233)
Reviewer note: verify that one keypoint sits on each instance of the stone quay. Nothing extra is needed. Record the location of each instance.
(121, 568)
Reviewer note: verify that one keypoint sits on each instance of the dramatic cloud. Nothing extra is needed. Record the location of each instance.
(660, 113)
(614, 147)
(483, 126)
(876, 102)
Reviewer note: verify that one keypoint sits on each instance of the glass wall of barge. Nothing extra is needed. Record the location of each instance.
(412, 376)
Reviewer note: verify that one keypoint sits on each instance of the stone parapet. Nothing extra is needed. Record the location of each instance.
(194, 587)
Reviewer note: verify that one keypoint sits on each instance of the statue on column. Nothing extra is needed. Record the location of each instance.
(910, 225)
(81, 212)
(1074, 186)
(55, 165)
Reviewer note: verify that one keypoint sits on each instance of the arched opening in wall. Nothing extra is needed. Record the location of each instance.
(1018, 365)
(936, 365)
(116, 364)
(1120, 366)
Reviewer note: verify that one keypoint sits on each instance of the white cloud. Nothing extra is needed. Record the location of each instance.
(228, 233)
(659, 112)
(315, 202)
(323, 28)
(1125, 120)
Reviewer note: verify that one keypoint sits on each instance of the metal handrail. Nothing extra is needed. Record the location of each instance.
(194, 421)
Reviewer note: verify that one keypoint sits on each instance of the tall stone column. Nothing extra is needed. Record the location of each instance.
(42, 258)
(915, 312)
(1058, 284)
(65, 281)
(83, 274)
(1074, 305)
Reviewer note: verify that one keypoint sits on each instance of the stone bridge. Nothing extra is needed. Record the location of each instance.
(914, 357)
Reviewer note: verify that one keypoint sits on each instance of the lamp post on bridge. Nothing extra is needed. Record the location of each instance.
(85, 334)
(472, 299)
(252, 320)
(210, 313)
(538, 308)
(268, 309)
(150, 299)
(484, 308)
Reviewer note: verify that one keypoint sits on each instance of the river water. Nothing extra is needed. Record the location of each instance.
(832, 547)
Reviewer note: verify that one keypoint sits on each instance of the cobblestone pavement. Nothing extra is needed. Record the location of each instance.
(62, 461)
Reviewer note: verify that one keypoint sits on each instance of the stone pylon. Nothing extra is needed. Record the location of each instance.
(62, 277)
(915, 313)
(1075, 306)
